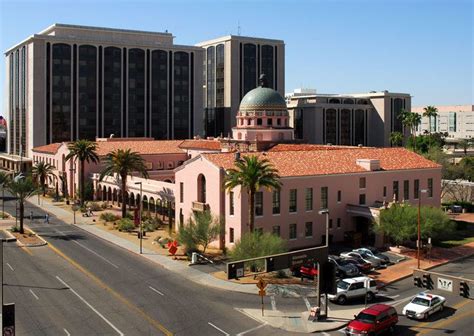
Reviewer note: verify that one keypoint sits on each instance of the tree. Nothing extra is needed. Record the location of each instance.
(256, 244)
(251, 174)
(430, 112)
(465, 144)
(22, 189)
(82, 151)
(411, 120)
(396, 139)
(4, 179)
(42, 171)
(123, 162)
(200, 230)
(400, 223)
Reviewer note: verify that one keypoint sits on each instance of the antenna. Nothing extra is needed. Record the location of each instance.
(238, 28)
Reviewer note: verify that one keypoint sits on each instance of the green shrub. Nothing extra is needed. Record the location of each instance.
(15, 228)
(94, 206)
(200, 230)
(129, 215)
(108, 217)
(126, 225)
(104, 206)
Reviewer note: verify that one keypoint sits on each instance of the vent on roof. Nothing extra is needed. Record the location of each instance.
(369, 164)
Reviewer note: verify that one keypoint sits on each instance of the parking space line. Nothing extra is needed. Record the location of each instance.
(306, 302)
(33, 293)
(217, 328)
(67, 332)
(10, 266)
(91, 307)
(273, 302)
(156, 290)
(252, 329)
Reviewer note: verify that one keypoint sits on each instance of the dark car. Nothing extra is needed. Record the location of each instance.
(364, 267)
(373, 320)
(343, 268)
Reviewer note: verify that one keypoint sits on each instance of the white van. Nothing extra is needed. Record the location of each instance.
(354, 288)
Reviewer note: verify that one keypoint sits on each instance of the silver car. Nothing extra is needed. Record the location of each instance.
(375, 262)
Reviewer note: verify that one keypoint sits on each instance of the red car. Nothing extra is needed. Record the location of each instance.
(373, 321)
(306, 270)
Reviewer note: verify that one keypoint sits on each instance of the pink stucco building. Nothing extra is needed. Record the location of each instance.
(353, 183)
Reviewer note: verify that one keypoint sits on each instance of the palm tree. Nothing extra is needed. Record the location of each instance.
(41, 171)
(123, 163)
(251, 174)
(82, 151)
(22, 188)
(396, 139)
(4, 178)
(430, 112)
(411, 120)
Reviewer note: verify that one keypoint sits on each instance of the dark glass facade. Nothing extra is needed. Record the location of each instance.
(61, 93)
(345, 127)
(397, 109)
(136, 93)
(112, 91)
(249, 67)
(211, 76)
(87, 128)
(181, 97)
(220, 75)
(331, 126)
(267, 64)
(215, 113)
(359, 127)
(159, 94)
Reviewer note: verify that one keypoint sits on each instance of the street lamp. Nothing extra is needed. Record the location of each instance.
(323, 212)
(73, 171)
(418, 242)
(326, 212)
(140, 216)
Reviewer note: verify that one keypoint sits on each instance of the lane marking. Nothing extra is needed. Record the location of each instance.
(217, 328)
(252, 329)
(90, 306)
(117, 295)
(27, 250)
(67, 332)
(33, 293)
(156, 290)
(97, 254)
(444, 323)
(306, 302)
(273, 302)
(10, 266)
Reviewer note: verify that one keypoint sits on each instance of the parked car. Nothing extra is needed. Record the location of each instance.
(376, 263)
(343, 267)
(423, 305)
(364, 267)
(308, 270)
(372, 251)
(373, 320)
(352, 288)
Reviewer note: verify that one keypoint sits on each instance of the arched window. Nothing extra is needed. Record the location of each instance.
(201, 188)
(348, 101)
(334, 101)
(239, 136)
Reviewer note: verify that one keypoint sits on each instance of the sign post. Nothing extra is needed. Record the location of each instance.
(261, 286)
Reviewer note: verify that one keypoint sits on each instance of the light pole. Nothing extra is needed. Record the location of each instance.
(140, 216)
(73, 171)
(418, 242)
(324, 212)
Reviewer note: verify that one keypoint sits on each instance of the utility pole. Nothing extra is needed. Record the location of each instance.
(418, 242)
(325, 212)
(140, 216)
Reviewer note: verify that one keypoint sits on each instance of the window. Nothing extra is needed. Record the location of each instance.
(406, 190)
(276, 202)
(362, 199)
(362, 183)
(309, 199)
(231, 203)
(385, 191)
(416, 189)
(293, 196)
(338, 223)
(330, 224)
(339, 196)
(276, 230)
(430, 187)
(259, 121)
(292, 231)
(259, 203)
(324, 197)
(308, 229)
(395, 190)
(181, 192)
(231, 235)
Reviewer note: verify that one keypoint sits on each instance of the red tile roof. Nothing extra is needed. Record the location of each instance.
(201, 144)
(48, 149)
(141, 146)
(324, 162)
(306, 147)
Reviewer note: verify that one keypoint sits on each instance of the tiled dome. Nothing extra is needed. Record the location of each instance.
(262, 98)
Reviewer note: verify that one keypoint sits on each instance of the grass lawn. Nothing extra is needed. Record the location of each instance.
(460, 237)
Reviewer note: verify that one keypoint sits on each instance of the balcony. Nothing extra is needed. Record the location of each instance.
(199, 206)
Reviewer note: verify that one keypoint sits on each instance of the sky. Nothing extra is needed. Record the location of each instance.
(421, 47)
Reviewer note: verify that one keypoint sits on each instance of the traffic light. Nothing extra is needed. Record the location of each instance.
(464, 289)
(328, 278)
(427, 282)
(417, 282)
(269, 264)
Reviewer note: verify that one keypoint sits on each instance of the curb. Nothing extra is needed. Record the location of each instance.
(44, 242)
(10, 238)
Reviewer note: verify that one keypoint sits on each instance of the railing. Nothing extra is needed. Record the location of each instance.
(199, 206)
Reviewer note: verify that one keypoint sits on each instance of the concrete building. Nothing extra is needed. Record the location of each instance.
(456, 120)
(348, 119)
(74, 82)
(232, 66)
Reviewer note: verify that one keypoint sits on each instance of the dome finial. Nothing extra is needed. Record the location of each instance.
(263, 80)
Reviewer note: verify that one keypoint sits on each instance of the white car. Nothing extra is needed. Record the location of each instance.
(424, 305)
(354, 288)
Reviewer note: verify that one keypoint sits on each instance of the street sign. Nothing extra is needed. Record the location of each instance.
(261, 284)
(445, 284)
(262, 292)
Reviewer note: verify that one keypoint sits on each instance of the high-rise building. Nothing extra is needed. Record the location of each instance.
(73, 82)
(232, 66)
